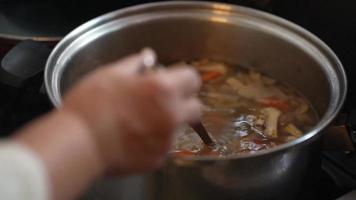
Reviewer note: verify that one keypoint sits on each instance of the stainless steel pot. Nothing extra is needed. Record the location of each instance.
(232, 34)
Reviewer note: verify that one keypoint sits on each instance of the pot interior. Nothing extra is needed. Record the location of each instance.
(187, 38)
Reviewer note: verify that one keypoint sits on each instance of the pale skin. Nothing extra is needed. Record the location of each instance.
(114, 121)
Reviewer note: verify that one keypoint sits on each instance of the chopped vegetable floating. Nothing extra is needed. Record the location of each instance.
(272, 115)
(245, 111)
(280, 104)
(293, 130)
(207, 76)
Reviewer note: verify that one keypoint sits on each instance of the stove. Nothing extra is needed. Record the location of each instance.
(333, 21)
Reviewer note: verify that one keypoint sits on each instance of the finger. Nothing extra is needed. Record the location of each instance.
(136, 63)
(191, 110)
(184, 81)
(153, 143)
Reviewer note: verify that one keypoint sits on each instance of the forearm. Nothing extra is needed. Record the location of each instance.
(63, 142)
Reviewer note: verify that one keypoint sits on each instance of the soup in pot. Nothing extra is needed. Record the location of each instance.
(245, 111)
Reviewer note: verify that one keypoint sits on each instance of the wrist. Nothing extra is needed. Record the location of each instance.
(64, 142)
(84, 138)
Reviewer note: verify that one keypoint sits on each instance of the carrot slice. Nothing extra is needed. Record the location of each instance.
(275, 102)
(207, 76)
(257, 141)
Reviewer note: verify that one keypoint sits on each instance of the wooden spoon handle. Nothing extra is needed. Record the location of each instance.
(199, 128)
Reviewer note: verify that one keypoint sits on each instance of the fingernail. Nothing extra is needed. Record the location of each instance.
(149, 57)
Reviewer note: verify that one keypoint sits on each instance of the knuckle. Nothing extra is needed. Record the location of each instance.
(162, 108)
(156, 87)
(192, 74)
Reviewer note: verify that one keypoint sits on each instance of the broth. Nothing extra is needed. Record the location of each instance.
(245, 111)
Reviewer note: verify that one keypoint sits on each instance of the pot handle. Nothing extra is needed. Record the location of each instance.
(351, 125)
(341, 134)
(23, 62)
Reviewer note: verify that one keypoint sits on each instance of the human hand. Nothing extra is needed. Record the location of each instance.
(133, 116)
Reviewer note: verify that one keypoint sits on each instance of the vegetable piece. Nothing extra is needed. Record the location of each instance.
(302, 108)
(253, 89)
(257, 141)
(280, 104)
(235, 83)
(293, 130)
(272, 115)
(183, 153)
(217, 67)
(268, 81)
(207, 151)
(255, 76)
(260, 122)
(207, 76)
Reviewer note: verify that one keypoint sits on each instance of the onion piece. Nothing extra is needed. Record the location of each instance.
(293, 130)
(272, 116)
(302, 108)
(254, 90)
(212, 66)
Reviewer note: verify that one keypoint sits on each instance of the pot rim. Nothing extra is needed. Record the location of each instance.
(325, 51)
